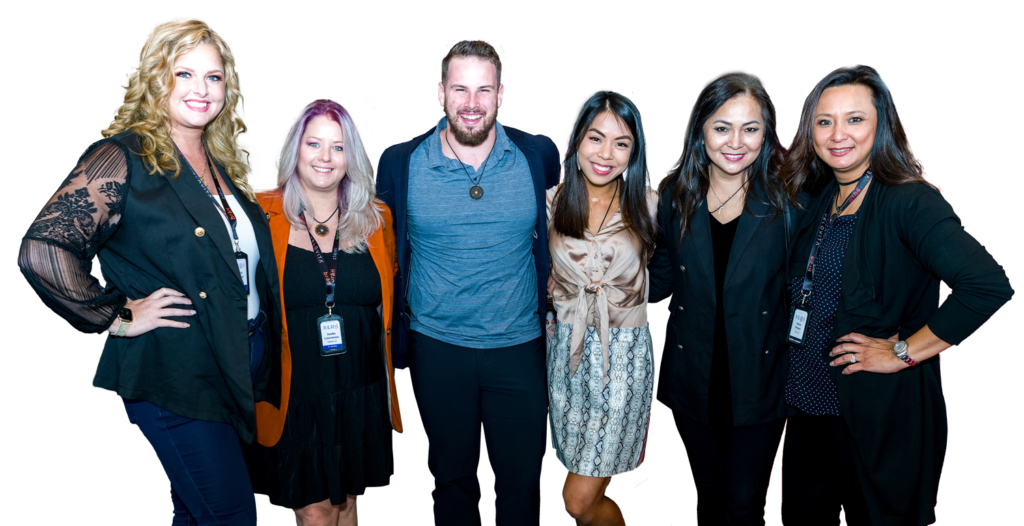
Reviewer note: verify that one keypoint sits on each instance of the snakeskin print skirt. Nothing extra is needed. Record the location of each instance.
(598, 427)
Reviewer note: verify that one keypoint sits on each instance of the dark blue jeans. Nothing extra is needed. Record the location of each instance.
(203, 460)
(458, 389)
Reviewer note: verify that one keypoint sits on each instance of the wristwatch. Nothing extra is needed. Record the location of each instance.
(124, 320)
(900, 350)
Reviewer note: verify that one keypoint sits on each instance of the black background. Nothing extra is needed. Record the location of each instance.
(80, 446)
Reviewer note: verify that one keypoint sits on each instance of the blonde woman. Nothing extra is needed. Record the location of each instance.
(335, 248)
(164, 203)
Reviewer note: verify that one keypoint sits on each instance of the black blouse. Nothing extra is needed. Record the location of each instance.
(720, 389)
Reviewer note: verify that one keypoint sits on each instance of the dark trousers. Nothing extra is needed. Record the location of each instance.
(458, 389)
(818, 475)
(731, 467)
(203, 460)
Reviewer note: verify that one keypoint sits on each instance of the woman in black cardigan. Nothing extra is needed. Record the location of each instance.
(191, 283)
(721, 254)
(869, 432)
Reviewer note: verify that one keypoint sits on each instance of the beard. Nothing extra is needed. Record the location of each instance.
(466, 137)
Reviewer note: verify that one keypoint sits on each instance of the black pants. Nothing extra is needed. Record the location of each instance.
(818, 476)
(731, 467)
(458, 389)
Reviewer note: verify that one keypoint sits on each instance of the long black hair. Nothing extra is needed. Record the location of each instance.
(691, 176)
(572, 208)
(892, 161)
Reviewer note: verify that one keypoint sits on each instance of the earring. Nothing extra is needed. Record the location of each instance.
(625, 173)
(578, 166)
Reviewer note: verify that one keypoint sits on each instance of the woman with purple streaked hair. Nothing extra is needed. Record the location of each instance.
(334, 243)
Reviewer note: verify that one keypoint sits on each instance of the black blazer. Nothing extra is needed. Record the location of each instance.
(755, 314)
(905, 241)
(393, 189)
(201, 372)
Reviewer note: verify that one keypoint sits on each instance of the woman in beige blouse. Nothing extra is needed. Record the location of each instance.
(600, 360)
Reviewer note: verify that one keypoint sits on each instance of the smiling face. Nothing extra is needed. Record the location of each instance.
(604, 152)
(470, 99)
(845, 121)
(199, 91)
(321, 159)
(733, 135)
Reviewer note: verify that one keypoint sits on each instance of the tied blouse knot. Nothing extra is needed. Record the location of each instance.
(600, 280)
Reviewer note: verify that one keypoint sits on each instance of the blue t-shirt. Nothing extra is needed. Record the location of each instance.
(473, 282)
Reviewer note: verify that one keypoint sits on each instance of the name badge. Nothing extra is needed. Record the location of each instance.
(243, 268)
(332, 335)
(798, 325)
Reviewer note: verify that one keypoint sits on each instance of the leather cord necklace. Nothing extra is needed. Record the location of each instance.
(321, 229)
(721, 206)
(475, 191)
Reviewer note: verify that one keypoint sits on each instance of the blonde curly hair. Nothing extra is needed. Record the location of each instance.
(144, 111)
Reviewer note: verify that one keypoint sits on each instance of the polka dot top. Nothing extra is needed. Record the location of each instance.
(809, 386)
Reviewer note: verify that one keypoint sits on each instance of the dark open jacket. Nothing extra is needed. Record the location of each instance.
(905, 241)
(393, 189)
(170, 235)
(755, 314)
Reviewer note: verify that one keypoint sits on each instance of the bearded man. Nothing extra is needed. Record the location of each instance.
(472, 243)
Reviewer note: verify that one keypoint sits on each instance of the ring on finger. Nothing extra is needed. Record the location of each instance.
(853, 358)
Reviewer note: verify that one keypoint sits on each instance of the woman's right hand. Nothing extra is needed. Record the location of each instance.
(153, 310)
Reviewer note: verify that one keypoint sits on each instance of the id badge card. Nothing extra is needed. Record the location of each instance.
(798, 325)
(331, 329)
(243, 268)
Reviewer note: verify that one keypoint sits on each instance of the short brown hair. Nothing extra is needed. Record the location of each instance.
(471, 48)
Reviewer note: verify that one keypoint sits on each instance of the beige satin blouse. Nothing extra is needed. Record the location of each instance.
(600, 280)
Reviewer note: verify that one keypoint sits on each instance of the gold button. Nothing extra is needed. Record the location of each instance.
(200, 231)
(202, 295)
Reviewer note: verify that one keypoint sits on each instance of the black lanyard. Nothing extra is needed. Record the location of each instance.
(826, 222)
(328, 272)
(226, 209)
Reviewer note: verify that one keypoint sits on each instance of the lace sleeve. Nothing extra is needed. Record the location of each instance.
(57, 252)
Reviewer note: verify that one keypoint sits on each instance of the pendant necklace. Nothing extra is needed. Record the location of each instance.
(475, 191)
(610, 201)
(321, 229)
(721, 206)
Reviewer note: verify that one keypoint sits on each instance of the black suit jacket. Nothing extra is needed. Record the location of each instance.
(201, 372)
(393, 189)
(755, 314)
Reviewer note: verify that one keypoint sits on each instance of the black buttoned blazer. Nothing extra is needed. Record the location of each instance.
(201, 372)
(755, 313)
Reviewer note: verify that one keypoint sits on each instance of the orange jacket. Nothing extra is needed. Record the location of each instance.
(269, 419)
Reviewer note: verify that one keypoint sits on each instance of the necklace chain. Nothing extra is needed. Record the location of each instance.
(610, 201)
(723, 203)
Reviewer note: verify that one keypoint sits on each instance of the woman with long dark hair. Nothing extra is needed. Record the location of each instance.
(600, 359)
(721, 254)
(869, 433)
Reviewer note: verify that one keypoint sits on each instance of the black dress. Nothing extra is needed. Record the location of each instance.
(337, 433)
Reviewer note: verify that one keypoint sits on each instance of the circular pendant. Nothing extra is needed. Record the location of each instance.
(476, 192)
(322, 230)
